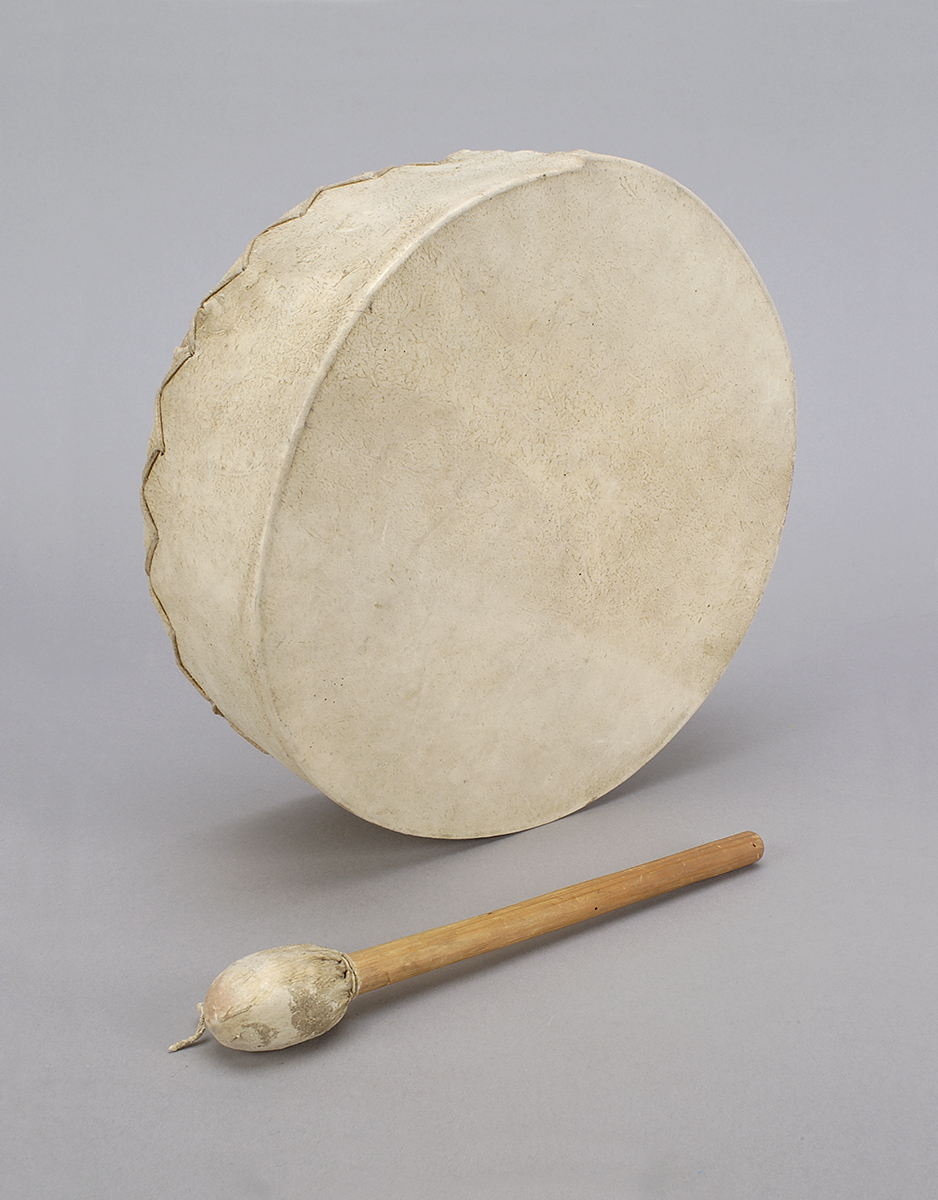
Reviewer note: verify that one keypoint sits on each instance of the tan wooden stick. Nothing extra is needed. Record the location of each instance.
(280, 997)
(409, 956)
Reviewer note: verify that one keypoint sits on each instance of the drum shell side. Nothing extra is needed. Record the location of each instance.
(231, 407)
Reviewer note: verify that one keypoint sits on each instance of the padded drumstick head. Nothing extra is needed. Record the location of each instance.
(279, 997)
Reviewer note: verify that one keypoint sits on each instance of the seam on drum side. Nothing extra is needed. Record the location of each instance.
(158, 447)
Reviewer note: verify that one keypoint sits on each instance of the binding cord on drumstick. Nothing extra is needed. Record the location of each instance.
(280, 997)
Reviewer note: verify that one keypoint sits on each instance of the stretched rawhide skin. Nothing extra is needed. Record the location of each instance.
(467, 480)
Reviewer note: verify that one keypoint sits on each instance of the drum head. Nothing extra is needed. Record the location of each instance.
(516, 491)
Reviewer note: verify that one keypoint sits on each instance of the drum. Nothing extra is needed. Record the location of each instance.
(466, 483)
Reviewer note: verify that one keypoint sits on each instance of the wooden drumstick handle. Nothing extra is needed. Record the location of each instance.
(408, 956)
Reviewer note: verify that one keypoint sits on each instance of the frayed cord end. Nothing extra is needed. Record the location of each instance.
(190, 1041)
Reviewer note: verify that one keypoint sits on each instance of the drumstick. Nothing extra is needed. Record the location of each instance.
(287, 995)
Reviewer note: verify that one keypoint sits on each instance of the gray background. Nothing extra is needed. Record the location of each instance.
(769, 1035)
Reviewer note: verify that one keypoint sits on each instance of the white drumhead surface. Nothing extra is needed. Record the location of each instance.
(518, 508)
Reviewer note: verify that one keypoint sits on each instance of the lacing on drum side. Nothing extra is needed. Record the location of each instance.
(180, 358)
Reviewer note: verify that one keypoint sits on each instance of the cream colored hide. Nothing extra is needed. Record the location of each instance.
(467, 480)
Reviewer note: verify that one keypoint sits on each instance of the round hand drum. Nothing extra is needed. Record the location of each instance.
(466, 483)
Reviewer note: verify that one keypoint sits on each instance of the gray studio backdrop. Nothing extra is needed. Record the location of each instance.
(768, 1035)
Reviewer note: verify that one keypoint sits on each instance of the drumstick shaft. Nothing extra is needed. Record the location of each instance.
(409, 956)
